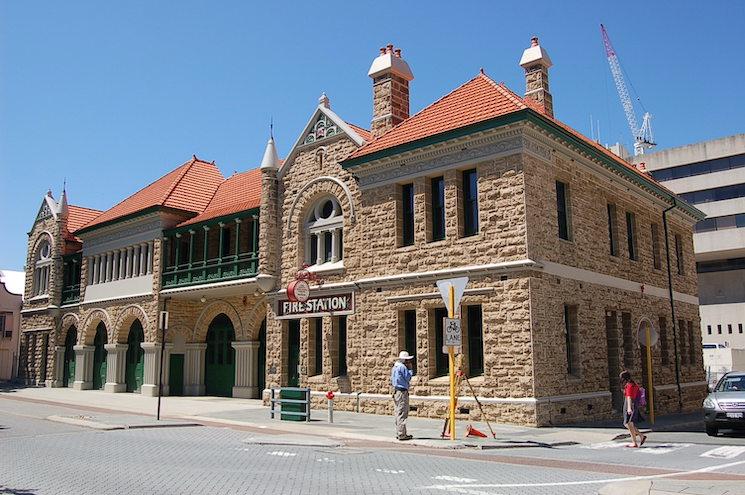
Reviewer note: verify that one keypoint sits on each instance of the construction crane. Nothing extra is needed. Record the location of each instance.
(643, 138)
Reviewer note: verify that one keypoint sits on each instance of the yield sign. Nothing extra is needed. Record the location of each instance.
(460, 286)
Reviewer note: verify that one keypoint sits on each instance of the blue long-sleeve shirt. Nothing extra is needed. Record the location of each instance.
(401, 376)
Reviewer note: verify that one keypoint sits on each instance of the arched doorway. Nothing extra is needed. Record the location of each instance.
(261, 361)
(99, 357)
(68, 370)
(135, 370)
(219, 369)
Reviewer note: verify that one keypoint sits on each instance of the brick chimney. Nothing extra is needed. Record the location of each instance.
(535, 61)
(391, 75)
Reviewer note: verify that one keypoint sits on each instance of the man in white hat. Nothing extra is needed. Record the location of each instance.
(400, 379)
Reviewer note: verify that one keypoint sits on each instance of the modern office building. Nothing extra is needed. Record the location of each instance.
(711, 176)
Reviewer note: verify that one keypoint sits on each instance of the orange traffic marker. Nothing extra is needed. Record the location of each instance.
(473, 432)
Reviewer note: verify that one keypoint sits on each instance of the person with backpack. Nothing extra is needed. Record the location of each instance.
(633, 395)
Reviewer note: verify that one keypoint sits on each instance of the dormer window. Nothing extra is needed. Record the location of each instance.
(324, 231)
(42, 268)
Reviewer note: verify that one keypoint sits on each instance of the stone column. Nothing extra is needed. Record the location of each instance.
(83, 367)
(116, 362)
(122, 260)
(59, 366)
(246, 376)
(194, 368)
(128, 263)
(136, 260)
(152, 368)
(142, 270)
(335, 245)
(319, 248)
(149, 258)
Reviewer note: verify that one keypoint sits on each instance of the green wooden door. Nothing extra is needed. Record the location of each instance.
(293, 355)
(99, 358)
(219, 369)
(261, 361)
(135, 369)
(176, 375)
(68, 371)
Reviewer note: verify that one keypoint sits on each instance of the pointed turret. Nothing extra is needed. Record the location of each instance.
(62, 209)
(271, 159)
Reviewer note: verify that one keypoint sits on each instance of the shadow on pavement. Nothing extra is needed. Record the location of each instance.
(16, 491)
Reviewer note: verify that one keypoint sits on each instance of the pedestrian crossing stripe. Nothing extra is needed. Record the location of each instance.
(727, 452)
(664, 448)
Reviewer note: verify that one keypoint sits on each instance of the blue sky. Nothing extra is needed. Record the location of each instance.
(112, 95)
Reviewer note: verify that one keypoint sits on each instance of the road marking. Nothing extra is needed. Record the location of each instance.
(603, 445)
(391, 471)
(281, 453)
(664, 448)
(727, 452)
(469, 488)
(326, 459)
(454, 479)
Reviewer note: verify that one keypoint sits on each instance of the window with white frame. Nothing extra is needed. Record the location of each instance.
(42, 268)
(323, 232)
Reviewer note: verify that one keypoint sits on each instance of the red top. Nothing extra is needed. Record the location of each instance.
(631, 390)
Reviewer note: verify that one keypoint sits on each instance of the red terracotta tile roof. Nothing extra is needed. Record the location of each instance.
(240, 192)
(364, 133)
(78, 216)
(475, 101)
(189, 187)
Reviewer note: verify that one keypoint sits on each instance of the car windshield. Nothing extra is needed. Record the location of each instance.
(732, 384)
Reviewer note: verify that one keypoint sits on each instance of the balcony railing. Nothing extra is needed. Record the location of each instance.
(71, 294)
(229, 267)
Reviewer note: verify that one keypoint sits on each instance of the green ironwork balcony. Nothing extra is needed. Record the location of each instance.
(213, 251)
(71, 294)
(231, 267)
(71, 266)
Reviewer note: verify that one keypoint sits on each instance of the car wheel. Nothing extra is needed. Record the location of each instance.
(712, 430)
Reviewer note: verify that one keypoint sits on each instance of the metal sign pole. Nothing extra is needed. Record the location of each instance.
(650, 380)
(451, 360)
(163, 320)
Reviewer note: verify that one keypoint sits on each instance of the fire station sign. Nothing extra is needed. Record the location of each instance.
(325, 305)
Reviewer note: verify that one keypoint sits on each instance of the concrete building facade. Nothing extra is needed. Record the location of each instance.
(562, 241)
(711, 176)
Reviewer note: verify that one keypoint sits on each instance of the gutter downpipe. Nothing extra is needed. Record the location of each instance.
(672, 304)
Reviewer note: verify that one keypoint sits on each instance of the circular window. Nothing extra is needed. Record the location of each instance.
(327, 209)
(44, 251)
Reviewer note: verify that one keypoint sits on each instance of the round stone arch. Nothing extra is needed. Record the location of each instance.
(120, 331)
(44, 235)
(68, 321)
(209, 313)
(87, 333)
(314, 190)
(254, 319)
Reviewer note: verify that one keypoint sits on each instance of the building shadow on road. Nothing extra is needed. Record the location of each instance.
(16, 491)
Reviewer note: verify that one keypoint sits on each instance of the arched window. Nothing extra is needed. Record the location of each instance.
(42, 268)
(323, 232)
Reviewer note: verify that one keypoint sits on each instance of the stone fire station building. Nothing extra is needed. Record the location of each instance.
(564, 244)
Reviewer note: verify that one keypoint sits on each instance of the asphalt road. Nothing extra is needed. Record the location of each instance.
(44, 457)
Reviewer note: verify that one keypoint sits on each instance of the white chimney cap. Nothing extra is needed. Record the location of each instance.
(390, 60)
(271, 159)
(535, 54)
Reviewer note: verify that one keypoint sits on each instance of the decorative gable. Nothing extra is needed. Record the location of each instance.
(44, 212)
(324, 127)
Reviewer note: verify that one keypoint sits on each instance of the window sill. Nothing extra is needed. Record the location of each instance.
(328, 268)
(41, 297)
(567, 241)
(316, 378)
(439, 380)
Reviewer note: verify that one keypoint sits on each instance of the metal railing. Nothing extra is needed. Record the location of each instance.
(212, 270)
(297, 408)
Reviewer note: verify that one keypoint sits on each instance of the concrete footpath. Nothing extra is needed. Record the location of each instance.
(670, 486)
(115, 411)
